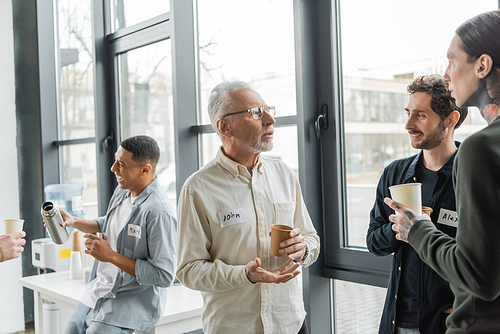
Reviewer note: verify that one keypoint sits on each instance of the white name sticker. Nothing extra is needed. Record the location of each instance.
(448, 217)
(232, 217)
(134, 230)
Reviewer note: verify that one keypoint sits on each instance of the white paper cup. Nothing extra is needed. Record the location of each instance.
(409, 195)
(75, 265)
(13, 225)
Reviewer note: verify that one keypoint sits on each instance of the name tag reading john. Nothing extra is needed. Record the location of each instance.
(134, 230)
(236, 216)
(448, 217)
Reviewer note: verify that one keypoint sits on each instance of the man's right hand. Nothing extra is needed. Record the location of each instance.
(81, 224)
(11, 245)
(256, 274)
(68, 219)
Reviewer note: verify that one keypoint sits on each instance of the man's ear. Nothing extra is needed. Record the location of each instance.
(484, 64)
(146, 169)
(224, 127)
(452, 119)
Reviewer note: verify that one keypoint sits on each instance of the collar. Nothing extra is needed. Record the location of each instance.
(447, 168)
(235, 168)
(154, 185)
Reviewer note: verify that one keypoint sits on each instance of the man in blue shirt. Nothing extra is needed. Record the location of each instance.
(136, 255)
(418, 300)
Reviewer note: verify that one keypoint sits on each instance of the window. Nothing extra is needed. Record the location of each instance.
(75, 99)
(253, 53)
(374, 89)
(377, 61)
(146, 106)
(126, 13)
(76, 70)
(359, 307)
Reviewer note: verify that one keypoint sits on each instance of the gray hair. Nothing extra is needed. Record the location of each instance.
(220, 101)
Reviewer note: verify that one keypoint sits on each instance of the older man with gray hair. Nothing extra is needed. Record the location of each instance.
(225, 214)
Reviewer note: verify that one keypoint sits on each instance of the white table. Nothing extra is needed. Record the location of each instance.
(182, 313)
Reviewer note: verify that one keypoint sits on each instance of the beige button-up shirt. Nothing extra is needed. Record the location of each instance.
(225, 215)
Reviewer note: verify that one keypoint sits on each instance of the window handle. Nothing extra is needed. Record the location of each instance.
(321, 122)
(108, 141)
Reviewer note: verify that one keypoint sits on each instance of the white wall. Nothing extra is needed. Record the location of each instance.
(11, 293)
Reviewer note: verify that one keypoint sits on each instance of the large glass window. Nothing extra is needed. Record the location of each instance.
(146, 106)
(379, 59)
(76, 76)
(75, 96)
(251, 41)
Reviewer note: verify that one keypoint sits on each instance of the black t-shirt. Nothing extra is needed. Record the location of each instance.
(409, 288)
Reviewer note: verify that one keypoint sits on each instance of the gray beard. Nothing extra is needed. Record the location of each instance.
(260, 147)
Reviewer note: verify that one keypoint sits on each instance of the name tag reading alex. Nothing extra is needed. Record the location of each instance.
(236, 216)
(134, 230)
(448, 217)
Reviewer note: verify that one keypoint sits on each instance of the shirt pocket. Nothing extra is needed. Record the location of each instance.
(283, 213)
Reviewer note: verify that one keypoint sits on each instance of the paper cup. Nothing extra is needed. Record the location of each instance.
(279, 233)
(76, 243)
(75, 266)
(13, 225)
(426, 210)
(409, 195)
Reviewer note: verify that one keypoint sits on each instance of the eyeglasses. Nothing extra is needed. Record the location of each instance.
(257, 112)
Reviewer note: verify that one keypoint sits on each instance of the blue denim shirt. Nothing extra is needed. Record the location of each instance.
(138, 302)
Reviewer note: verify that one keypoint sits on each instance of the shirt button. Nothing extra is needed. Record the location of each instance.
(393, 322)
(396, 296)
(264, 286)
(264, 259)
(260, 209)
(399, 268)
(263, 234)
(263, 312)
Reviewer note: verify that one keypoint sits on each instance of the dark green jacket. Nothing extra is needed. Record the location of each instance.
(471, 261)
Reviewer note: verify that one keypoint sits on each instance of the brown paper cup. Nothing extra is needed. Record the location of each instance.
(279, 233)
(13, 225)
(426, 210)
(76, 243)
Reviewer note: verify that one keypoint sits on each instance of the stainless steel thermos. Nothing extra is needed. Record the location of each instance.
(53, 221)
